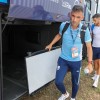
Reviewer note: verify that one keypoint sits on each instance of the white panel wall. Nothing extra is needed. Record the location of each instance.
(41, 69)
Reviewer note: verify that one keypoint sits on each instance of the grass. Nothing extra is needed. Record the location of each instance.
(86, 91)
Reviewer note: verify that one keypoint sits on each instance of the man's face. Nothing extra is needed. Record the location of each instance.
(76, 17)
(96, 21)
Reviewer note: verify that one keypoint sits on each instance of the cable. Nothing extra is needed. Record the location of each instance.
(5, 25)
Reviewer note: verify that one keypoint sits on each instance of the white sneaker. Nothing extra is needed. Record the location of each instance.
(64, 96)
(72, 99)
(94, 77)
(95, 84)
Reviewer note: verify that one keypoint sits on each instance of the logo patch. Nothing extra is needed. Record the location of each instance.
(58, 67)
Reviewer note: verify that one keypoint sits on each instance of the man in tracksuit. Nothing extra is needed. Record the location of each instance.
(71, 52)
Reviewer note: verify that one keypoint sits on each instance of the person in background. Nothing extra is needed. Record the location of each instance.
(71, 52)
(96, 47)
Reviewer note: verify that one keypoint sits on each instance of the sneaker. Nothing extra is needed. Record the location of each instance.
(94, 77)
(64, 96)
(95, 84)
(72, 99)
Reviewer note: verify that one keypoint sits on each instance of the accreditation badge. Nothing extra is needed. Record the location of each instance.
(74, 52)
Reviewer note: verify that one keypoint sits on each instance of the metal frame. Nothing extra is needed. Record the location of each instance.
(1, 69)
(97, 6)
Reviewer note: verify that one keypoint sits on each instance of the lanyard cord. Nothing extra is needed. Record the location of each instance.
(73, 37)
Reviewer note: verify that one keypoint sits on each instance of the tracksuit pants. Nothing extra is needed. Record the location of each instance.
(61, 71)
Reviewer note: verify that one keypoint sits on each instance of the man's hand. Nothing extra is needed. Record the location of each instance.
(57, 38)
(49, 47)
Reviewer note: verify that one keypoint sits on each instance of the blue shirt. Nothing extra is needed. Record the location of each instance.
(92, 27)
(68, 42)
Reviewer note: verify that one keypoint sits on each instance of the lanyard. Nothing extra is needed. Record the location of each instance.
(73, 37)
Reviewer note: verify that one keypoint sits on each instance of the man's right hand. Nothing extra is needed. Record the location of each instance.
(56, 38)
(49, 47)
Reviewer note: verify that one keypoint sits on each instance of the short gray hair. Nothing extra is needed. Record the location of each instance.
(77, 8)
